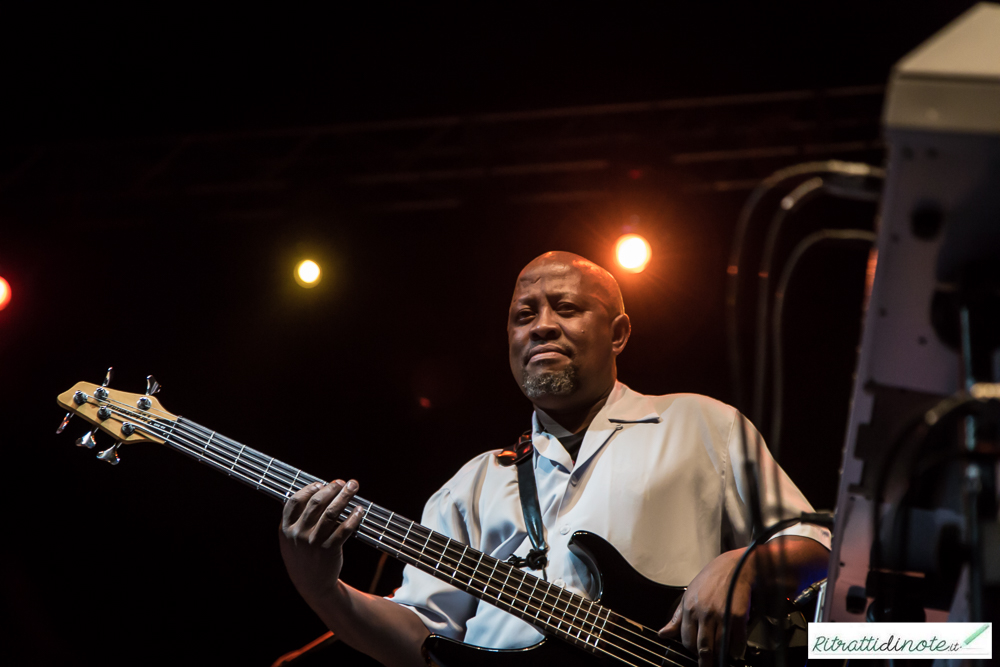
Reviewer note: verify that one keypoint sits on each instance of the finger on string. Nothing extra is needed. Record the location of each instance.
(317, 502)
(689, 629)
(707, 640)
(328, 521)
(672, 628)
(296, 504)
(346, 529)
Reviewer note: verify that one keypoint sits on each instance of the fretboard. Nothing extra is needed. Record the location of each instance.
(551, 609)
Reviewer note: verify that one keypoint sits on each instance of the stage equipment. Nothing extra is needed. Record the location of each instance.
(633, 252)
(917, 497)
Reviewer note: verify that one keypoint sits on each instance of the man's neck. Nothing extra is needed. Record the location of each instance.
(575, 419)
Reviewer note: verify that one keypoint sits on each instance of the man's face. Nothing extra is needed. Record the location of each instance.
(559, 331)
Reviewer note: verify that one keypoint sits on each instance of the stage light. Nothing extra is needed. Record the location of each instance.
(307, 273)
(4, 293)
(632, 252)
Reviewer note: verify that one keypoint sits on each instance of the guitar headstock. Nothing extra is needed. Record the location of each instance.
(128, 418)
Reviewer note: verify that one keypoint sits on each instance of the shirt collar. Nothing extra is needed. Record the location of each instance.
(623, 406)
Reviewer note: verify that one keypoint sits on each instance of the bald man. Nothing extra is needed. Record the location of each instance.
(660, 477)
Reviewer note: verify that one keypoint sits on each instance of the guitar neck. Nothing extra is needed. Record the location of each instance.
(552, 609)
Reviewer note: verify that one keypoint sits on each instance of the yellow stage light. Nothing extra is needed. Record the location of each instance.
(307, 273)
(4, 293)
(632, 252)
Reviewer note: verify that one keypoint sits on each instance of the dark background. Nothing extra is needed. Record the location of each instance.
(162, 174)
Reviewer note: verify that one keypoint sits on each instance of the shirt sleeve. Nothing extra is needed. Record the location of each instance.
(443, 608)
(780, 498)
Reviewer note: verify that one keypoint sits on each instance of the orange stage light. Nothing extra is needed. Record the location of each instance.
(4, 293)
(633, 252)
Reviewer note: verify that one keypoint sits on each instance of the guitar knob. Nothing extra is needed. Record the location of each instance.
(64, 422)
(108, 376)
(152, 386)
(86, 440)
(111, 454)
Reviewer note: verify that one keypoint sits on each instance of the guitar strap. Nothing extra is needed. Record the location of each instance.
(521, 456)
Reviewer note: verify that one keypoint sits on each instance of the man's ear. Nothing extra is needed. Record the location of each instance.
(621, 329)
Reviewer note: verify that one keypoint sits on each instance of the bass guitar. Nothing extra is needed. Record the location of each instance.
(590, 631)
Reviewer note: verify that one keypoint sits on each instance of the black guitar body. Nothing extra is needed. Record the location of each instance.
(620, 588)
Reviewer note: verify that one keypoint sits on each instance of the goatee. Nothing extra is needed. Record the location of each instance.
(552, 383)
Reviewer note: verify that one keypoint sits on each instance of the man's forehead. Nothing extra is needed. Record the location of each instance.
(549, 273)
(561, 273)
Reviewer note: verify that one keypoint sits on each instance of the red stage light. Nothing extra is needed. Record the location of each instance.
(4, 293)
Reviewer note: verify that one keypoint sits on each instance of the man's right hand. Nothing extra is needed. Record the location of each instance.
(312, 541)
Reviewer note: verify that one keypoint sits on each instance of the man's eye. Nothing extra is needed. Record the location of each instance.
(567, 308)
(523, 315)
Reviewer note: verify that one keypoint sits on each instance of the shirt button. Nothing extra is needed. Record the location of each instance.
(560, 583)
(564, 529)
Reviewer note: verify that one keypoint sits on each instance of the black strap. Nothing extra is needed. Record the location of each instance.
(521, 456)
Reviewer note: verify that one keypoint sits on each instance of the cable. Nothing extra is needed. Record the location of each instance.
(816, 518)
(835, 185)
(801, 194)
(806, 244)
(742, 226)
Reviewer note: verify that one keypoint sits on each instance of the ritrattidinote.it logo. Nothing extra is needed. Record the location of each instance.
(901, 640)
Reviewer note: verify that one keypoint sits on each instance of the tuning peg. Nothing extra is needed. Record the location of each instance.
(107, 377)
(110, 454)
(86, 440)
(64, 422)
(152, 386)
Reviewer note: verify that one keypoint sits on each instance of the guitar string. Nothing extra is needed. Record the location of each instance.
(374, 539)
(571, 603)
(142, 417)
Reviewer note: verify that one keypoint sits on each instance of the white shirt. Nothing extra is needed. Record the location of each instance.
(660, 477)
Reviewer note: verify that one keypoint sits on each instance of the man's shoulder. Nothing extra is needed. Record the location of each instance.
(666, 405)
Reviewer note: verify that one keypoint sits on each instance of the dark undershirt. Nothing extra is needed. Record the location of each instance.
(571, 443)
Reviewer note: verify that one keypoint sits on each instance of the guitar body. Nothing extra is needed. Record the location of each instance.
(620, 587)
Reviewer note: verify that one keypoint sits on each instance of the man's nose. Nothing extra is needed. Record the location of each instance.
(544, 327)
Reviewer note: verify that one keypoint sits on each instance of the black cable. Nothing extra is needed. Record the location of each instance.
(836, 185)
(806, 244)
(762, 190)
(816, 518)
(802, 193)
